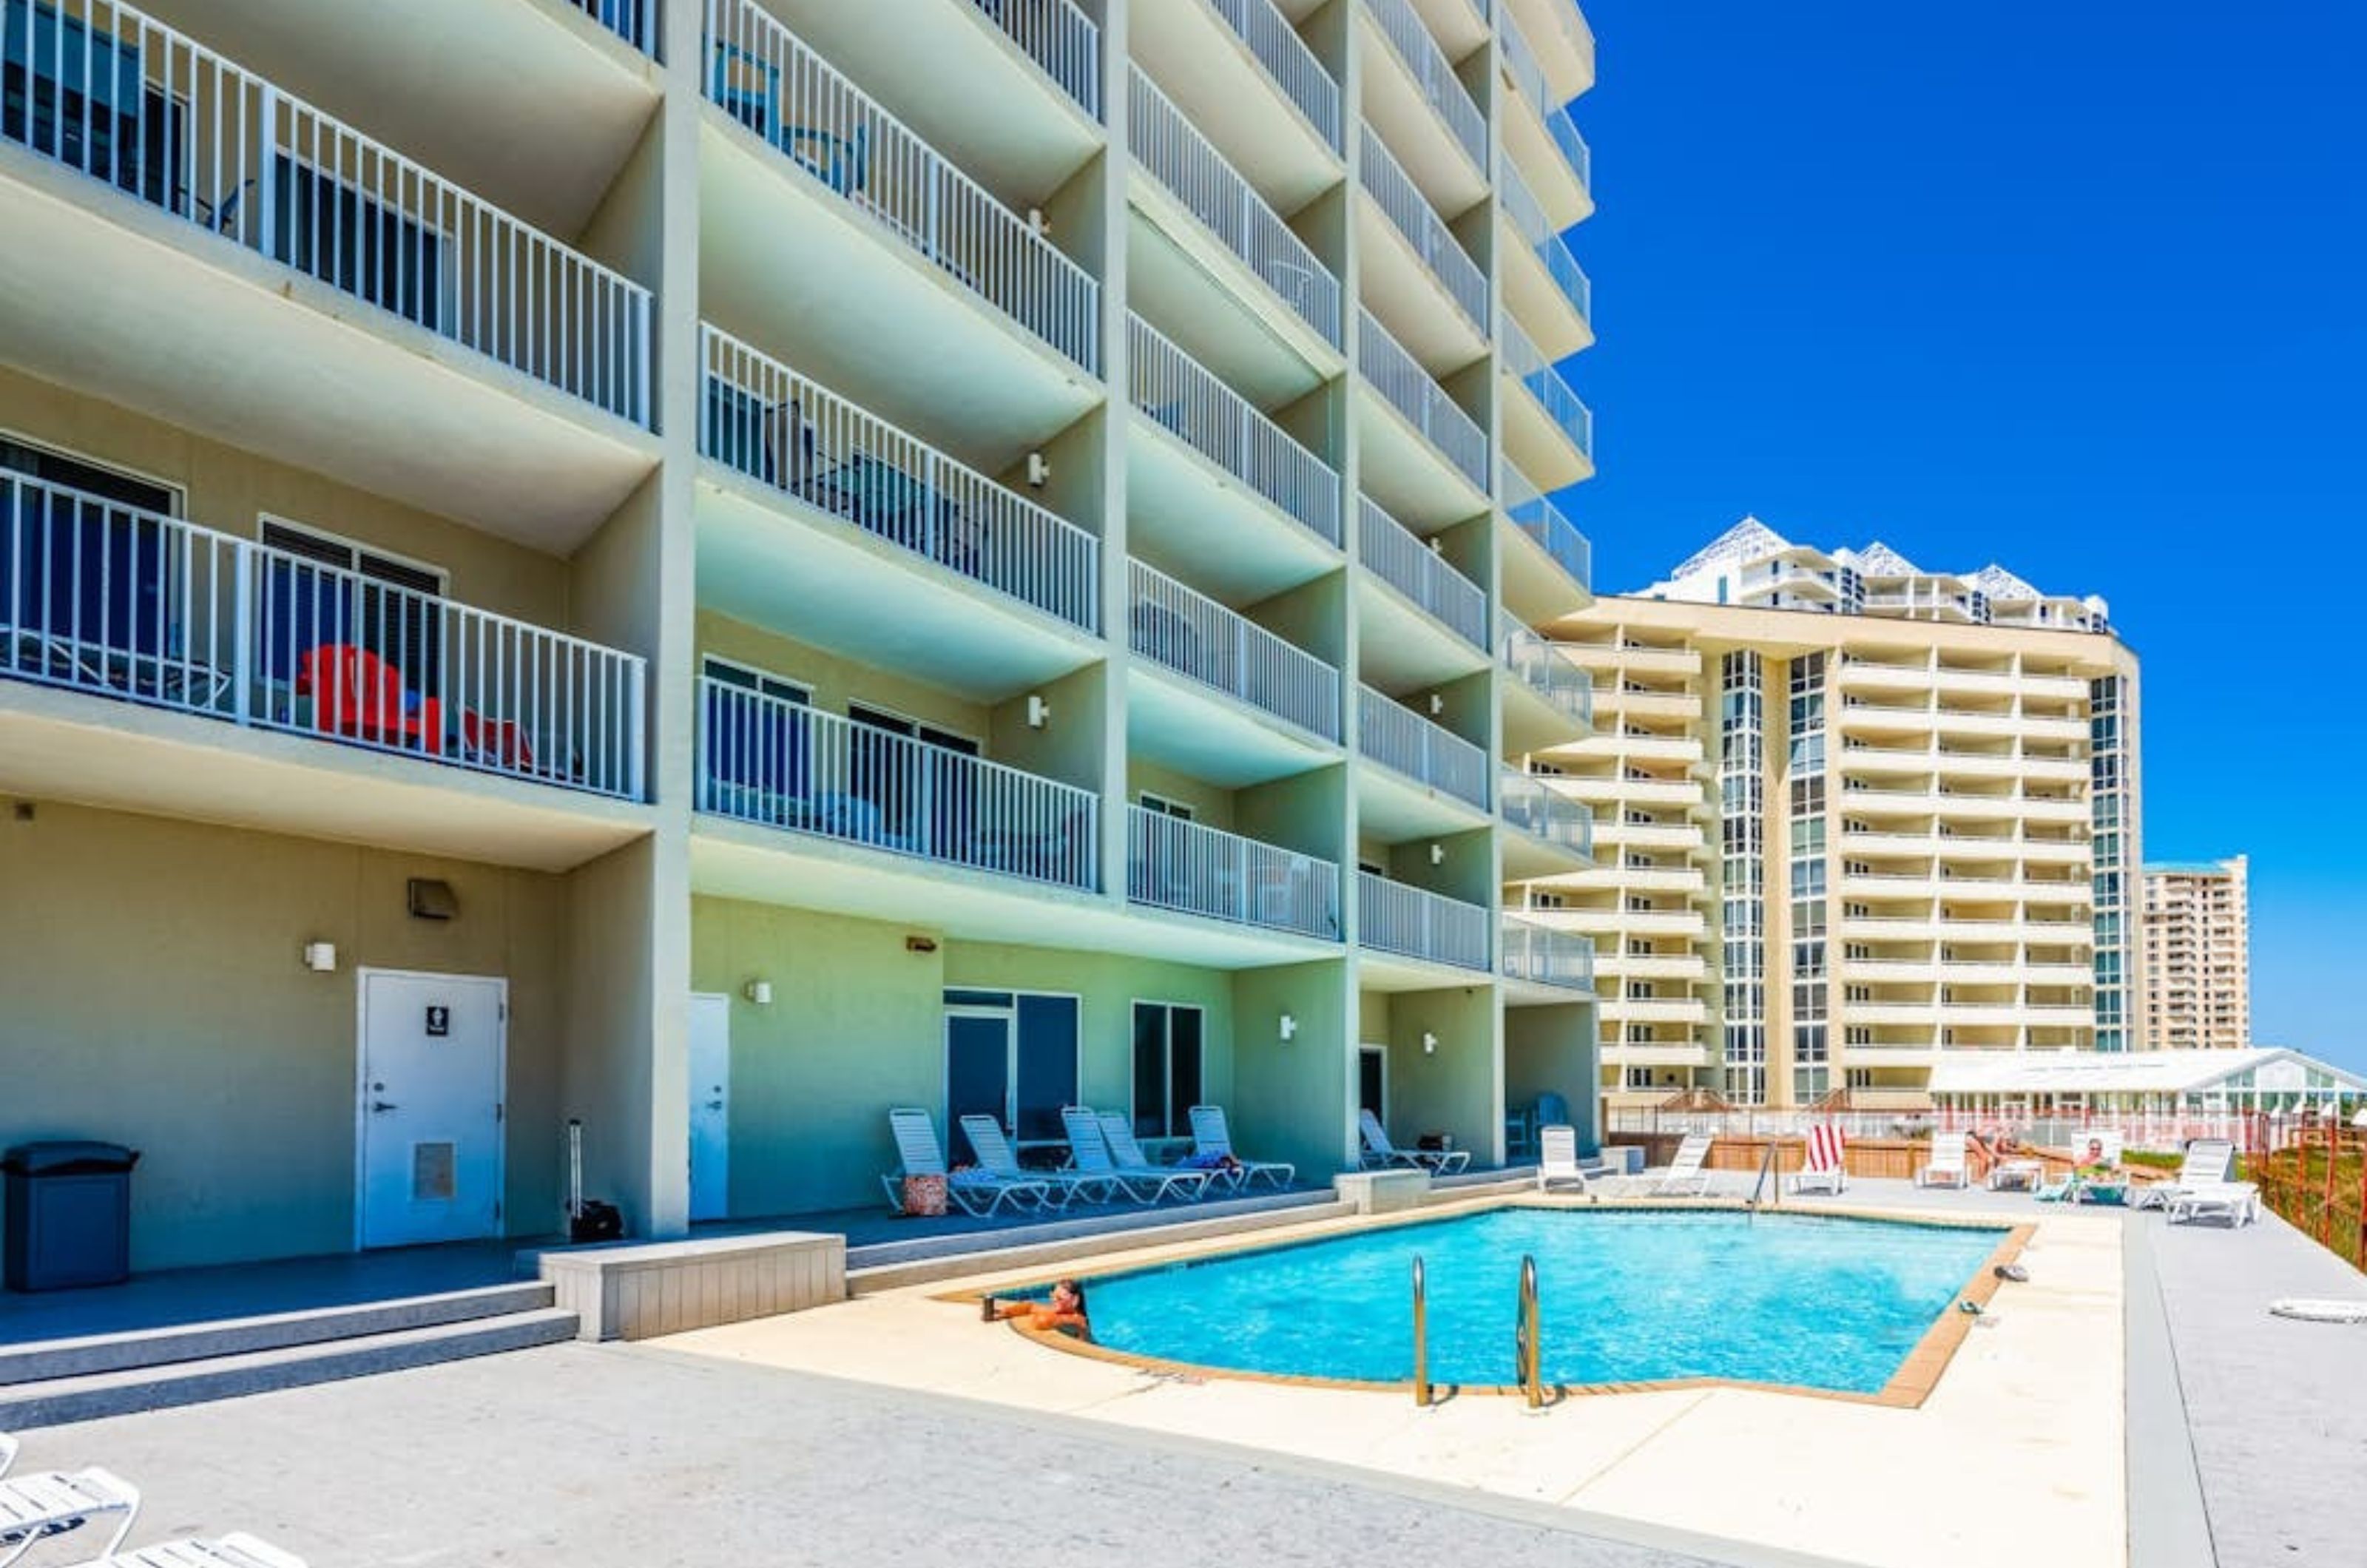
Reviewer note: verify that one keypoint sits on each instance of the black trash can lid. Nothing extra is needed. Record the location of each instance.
(75, 1156)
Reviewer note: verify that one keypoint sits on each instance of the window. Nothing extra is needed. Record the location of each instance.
(1167, 1049)
(350, 239)
(1159, 804)
(387, 607)
(1014, 1056)
(755, 730)
(924, 794)
(105, 574)
(86, 102)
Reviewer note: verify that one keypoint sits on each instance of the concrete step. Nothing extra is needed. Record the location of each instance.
(45, 1360)
(123, 1392)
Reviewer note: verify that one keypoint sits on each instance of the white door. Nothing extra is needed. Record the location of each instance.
(432, 1052)
(710, 1107)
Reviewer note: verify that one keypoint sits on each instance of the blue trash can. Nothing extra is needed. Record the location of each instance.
(68, 1213)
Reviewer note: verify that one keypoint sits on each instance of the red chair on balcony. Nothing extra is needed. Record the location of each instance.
(360, 696)
(495, 742)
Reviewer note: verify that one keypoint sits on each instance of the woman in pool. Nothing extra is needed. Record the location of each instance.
(1063, 1313)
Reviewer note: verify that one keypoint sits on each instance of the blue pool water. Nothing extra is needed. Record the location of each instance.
(1815, 1302)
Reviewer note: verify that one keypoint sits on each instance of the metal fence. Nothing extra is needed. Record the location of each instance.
(1410, 212)
(1421, 573)
(1287, 62)
(1400, 378)
(635, 22)
(1394, 917)
(1193, 635)
(1059, 37)
(2316, 1180)
(1185, 398)
(1433, 76)
(1393, 734)
(1175, 865)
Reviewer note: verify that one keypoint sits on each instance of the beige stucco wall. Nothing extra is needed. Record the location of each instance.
(156, 997)
(837, 680)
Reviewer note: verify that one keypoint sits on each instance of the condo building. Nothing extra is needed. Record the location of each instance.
(710, 569)
(1845, 832)
(2198, 964)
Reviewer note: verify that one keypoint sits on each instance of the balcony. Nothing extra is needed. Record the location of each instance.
(1548, 433)
(782, 764)
(1542, 955)
(1197, 870)
(1057, 35)
(1564, 43)
(1400, 738)
(1548, 567)
(1550, 699)
(1654, 1009)
(1552, 832)
(873, 482)
(1418, 265)
(1638, 922)
(1412, 93)
(1545, 288)
(109, 601)
(1447, 639)
(1539, 135)
(1443, 477)
(1240, 70)
(1253, 677)
(1395, 917)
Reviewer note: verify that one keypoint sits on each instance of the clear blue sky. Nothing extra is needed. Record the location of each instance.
(2079, 286)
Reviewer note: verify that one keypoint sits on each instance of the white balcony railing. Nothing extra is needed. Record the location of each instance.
(759, 74)
(1544, 522)
(101, 88)
(1541, 379)
(1410, 212)
(635, 22)
(1527, 216)
(764, 420)
(1187, 399)
(1421, 573)
(1286, 60)
(1432, 75)
(1400, 378)
(766, 760)
(1193, 635)
(1399, 738)
(1394, 917)
(1544, 812)
(1063, 41)
(1552, 674)
(1171, 147)
(1547, 956)
(1529, 78)
(149, 609)
(1175, 865)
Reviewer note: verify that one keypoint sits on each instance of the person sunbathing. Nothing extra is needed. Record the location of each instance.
(1063, 1313)
(1984, 1147)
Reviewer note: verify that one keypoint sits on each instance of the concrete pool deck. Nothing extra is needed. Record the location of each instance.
(2018, 1454)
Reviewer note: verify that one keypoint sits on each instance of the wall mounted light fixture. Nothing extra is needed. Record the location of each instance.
(1438, 855)
(1437, 705)
(1039, 712)
(1289, 1027)
(320, 957)
(758, 991)
(1429, 1043)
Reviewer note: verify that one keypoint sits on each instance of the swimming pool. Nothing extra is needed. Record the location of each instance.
(1816, 1301)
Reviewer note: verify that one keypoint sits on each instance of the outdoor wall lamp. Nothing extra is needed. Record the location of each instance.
(1437, 705)
(1039, 712)
(320, 957)
(1289, 1027)
(1438, 855)
(1429, 1043)
(758, 991)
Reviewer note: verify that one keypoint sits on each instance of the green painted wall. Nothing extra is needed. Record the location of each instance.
(1294, 1100)
(1452, 1089)
(1554, 1048)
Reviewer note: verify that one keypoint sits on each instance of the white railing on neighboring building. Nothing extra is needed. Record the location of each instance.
(1409, 389)
(761, 418)
(1529, 76)
(635, 22)
(1178, 393)
(1409, 37)
(1063, 41)
(1193, 635)
(1412, 216)
(1544, 812)
(1395, 917)
(149, 609)
(169, 122)
(1545, 669)
(1421, 573)
(1547, 956)
(1187, 163)
(1527, 216)
(1175, 865)
(759, 73)
(1396, 736)
(1286, 60)
(1542, 521)
(1540, 378)
(780, 763)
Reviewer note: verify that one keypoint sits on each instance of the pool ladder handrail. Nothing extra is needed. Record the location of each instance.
(1528, 1337)
(1766, 1168)
(1421, 1339)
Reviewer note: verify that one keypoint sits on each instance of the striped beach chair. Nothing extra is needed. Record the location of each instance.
(1827, 1154)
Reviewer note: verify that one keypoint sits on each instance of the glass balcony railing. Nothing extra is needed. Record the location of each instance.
(1197, 636)
(1542, 666)
(1421, 573)
(1288, 63)
(1395, 917)
(1185, 398)
(1198, 870)
(1541, 378)
(1546, 956)
(1059, 37)
(1531, 84)
(1538, 809)
(1544, 522)
(1527, 216)
(1401, 738)
(1399, 377)
(1410, 212)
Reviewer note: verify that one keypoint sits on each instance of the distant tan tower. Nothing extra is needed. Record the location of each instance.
(2198, 967)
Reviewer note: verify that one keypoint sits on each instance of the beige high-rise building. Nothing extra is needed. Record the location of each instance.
(2198, 956)
(1849, 820)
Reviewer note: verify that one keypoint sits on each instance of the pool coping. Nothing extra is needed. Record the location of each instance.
(1907, 1388)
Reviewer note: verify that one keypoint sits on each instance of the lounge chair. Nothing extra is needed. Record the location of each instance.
(1212, 1139)
(1557, 1160)
(1135, 1166)
(996, 1157)
(980, 1193)
(1945, 1168)
(49, 1503)
(1686, 1177)
(1380, 1154)
(1089, 1151)
(225, 1552)
(1824, 1170)
(361, 696)
(2238, 1202)
(2209, 1162)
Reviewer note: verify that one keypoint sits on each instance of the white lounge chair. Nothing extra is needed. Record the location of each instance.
(1132, 1161)
(2209, 1162)
(977, 1193)
(1824, 1170)
(1090, 1151)
(50, 1503)
(2238, 1202)
(1685, 1176)
(1557, 1160)
(227, 1552)
(1945, 1168)
(1380, 1154)
(1212, 1139)
(997, 1159)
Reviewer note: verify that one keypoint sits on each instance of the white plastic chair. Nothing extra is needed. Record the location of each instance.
(2208, 1163)
(51, 1502)
(227, 1552)
(1558, 1160)
(998, 1159)
(1825, 1167)
(1946, 1166)
(1133, 1163)
(1213, 1139)
(1685, 1176)
(1381, 1153)
(979, 1192)
(1089, 1151)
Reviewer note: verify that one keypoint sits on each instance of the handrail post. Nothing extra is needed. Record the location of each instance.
(1526, 1347)
(1421, 1339)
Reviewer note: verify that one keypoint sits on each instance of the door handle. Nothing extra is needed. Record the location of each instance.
(381, 1107)
(715, 1105)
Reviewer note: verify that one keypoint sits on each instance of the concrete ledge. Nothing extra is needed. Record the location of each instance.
(1382, 1192)
(671, 1287)
(1022, 1250)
